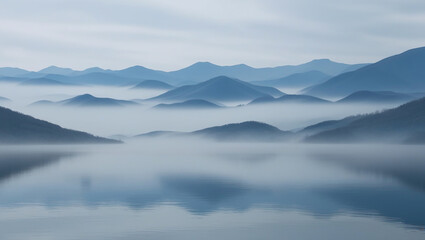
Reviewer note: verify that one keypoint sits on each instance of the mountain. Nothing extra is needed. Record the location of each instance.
(290, 98)
(95, 78)
(219, 89)
(195, 73)
(303, 79)
(245, 131)
(140, 72)
(404, 72)
(3, 99)
(329, 67)
(56, 70)
(160, 134)
(17, 128)
(88, 100)
(43, 82)
(12, 72)
(12, 79)
(43, 103)
(250, 131)
(327, 125)
(189, 104)
(400, 124)
(203, 71)
(91, 70)
(153, 84)
(101, 78)
(377, 97)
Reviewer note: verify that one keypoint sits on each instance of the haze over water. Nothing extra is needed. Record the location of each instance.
(204, 190)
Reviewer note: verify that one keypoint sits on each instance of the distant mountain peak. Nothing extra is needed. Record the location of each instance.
(202, 65)
(403, 72)
(322, 60)
(245, 131)
(222, 79)
(135, 67)
(85, 96)
(56, 70)
(94, 69)
(153, 84)
(221, 88)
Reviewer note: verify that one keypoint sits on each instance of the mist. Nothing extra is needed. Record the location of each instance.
(133, 120)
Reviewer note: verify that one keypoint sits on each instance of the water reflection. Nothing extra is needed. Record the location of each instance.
(389, 186)
(406, 165)
(396, 202)
(16, 163)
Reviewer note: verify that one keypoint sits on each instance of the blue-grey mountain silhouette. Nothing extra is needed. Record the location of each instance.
(90, 100)
(43, 103)
(95, 78)
(404, 72)
(250, 131)
(377, 97)
(87, 100)
(195, 73)
(202, 71)
(160, 134)
(219, 89)
(12, 79)
(91, 70)
(189, 104)
(153, 84)
(395, 125)
(12, 72)
(295, 80)
(44, 82)
(3, 99)
(327, 125)
(290, 98)
(17, 128)
(139, 72)
(245, 131)
(56, 70)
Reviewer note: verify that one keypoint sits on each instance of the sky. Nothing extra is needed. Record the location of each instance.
(169, 34)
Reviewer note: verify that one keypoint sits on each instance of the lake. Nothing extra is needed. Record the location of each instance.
(205, 190)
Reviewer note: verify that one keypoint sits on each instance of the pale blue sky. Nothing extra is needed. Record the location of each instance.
(168, 35)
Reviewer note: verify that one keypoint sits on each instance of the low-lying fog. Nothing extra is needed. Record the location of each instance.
(135, 120)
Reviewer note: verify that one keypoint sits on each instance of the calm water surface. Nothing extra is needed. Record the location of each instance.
(195, 190)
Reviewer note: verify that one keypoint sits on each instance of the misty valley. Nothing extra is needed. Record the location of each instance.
(215, 152)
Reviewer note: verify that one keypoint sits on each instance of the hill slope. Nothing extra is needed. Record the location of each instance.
(395, 125)
(290, 98)
(17, 128)
(189, 104)
(56, 70)
(250, 131)
(95, 78)
(43, 82)
(87, 100)
(219, 89)
(153, 84)
(3, 99)
(203, 71)
(12, 72)
(404, 72)
(245, 131)
(303, 79)
(91, 101)
(377, 97)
